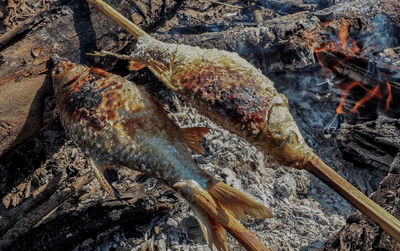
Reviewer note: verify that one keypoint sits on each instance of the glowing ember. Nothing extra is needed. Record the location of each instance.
(344, 43)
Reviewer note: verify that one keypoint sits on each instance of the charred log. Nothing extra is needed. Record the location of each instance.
(373, 144)
(370, 74)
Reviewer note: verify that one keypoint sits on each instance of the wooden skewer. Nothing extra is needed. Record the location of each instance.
(376, 213)
(316, 166)
(114, 15)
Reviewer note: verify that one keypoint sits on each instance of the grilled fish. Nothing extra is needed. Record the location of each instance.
(238, 97)
(117, 123)
(229, 90)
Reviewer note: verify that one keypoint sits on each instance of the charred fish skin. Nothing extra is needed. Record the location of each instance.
(117, 123)
(231, 92)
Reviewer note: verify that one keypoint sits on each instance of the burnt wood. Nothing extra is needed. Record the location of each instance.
(369, 73)
(372, 144)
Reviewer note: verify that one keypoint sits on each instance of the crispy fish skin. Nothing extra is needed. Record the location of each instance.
(231, 92)
(117, 123)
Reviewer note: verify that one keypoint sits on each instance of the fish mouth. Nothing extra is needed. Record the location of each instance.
(64, 73)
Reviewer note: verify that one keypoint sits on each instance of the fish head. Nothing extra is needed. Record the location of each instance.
(289, 145)
(88, 95)
(64, 74)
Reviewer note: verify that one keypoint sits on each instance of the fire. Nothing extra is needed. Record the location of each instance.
(370, 94)
(346, 44)
(345, 39)
(346, 87)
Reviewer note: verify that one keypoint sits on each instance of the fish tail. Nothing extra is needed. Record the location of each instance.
(236, 202)
(213, 232)
(216, 214)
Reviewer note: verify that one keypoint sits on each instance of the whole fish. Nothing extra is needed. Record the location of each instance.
(117, 123)
(238, 97)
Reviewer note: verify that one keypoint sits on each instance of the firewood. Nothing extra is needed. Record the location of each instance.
(373, 144)
(369, 73)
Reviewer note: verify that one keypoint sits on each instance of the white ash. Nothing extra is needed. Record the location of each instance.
(285, 185)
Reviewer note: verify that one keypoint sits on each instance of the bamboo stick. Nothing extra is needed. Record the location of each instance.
(114, 15)
(315, 166)
(376, 213)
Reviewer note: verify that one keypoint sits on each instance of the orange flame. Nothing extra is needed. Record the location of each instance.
(344, 92)
(346, 43)
(345, 39)
(367, 97)
(389, 93)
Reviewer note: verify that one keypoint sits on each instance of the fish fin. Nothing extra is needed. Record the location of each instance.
(136, 65)
(213, 218)
(104, 53)
(105, 175)
(158, 66)
(213, 232)
(193, 137)
(236, 202)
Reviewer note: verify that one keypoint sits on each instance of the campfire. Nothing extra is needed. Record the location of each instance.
(338, 65)
(355, 73)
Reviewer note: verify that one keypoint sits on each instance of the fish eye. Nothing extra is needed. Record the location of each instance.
(59, 69)
(292, 138)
